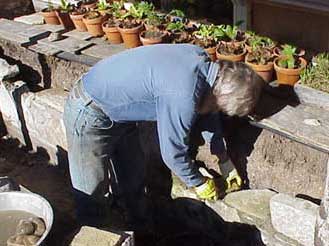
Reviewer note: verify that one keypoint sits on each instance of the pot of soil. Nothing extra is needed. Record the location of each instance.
(151, 37)
(112, 33)
(230, 52)
(261, 61)
(256, 41)
(93, 21)
(208, 45)
(89, 4)
(289, 76)
(130, 33)
(64, 19)
(237, 37)
(50, 16)
(76, 17)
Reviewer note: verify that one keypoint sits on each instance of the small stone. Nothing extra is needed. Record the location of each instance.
(294, 217)
(7, 71)
(54, 36)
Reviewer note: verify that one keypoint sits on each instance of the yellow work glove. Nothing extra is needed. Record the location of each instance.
(207, 191)
(230, 175)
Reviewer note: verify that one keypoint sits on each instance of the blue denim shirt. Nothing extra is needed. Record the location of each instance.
(160, 83)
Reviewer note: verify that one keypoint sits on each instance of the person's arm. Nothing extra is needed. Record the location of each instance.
(175, 116)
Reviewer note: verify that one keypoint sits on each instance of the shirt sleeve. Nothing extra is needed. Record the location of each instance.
(175, 117)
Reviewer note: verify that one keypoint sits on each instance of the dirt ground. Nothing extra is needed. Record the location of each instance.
(53, 183)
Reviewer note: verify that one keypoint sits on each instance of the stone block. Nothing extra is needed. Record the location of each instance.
(103, 51)
(89, 236)
(43, 112)
(10, 97)
(20, 32)
(255, 204)
(226, 212)
(69, 44)
(7, 71)
(78, 35)
(294, 217)
(44, 49)
(32, 19)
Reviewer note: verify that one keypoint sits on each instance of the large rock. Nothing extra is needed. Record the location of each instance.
(294, 217)
(43, 113)
(254, 204)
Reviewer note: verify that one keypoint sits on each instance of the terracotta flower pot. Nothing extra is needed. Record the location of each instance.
(287, 76)
(112, 33)
(78, 23)
(234, 58)
(150, 41)
(94, 26)
(50, 17)
(64, 19)
(212, 53)
(131, 36)
(264, 71)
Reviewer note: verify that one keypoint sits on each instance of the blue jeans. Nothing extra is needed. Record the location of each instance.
(105, 157)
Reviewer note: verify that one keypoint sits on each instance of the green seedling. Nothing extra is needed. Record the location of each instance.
(177, 13)
(176, 26)
(231, 32)
(116, 6)
(65, 6)
(288, 57)
(260, 56)
(205, 31)
(139, 11)
(218, 33)
(316, 75)
(102, 5)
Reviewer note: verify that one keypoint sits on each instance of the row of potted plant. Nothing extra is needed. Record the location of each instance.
(139, 23)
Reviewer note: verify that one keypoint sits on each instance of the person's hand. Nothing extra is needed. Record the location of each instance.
(207, 191)
(231, 176)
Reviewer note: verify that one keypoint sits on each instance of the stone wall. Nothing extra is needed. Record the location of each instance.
(41, 70)
(14, 8)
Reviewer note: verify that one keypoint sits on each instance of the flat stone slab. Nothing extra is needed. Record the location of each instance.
(33, 19)
(78, 35)
(294, 217)
(68, 44)
(20, 32)
(101, 40)
(44, 49)
(253, 203)
(103, 51)
(88, 236)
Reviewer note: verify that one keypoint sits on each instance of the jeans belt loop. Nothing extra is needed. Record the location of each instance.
(80, 93)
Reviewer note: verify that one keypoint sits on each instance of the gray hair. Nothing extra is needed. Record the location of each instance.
(235, 91)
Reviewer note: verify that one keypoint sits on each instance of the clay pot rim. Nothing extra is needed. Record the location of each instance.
(155, 39)
(103, 25)
(94, 20)
(259, 67)
(233, 55)
(290, 71)
(130, 30)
